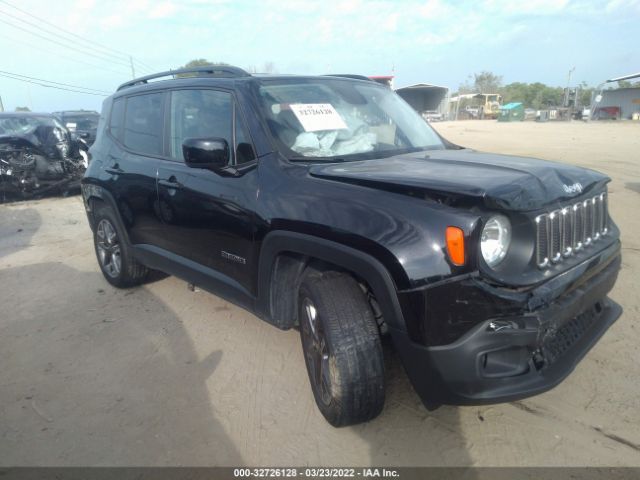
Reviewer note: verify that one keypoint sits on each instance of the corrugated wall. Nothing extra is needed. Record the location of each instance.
(628, 99)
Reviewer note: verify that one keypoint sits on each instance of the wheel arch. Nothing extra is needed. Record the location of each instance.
(94, 195)
(283, 257)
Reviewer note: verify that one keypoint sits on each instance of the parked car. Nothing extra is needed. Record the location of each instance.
(84, 123)
(326, 203)
(38, 155)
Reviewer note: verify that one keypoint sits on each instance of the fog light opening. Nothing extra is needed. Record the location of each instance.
(508, 362)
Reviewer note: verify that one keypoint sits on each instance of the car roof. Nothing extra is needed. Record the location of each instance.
(24, 114)
(76, 112)
(225, 76)
(224, 83)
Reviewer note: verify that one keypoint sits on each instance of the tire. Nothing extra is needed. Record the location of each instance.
(114, 255)
(342, 348)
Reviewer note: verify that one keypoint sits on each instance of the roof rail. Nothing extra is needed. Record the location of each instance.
(349, 75)
(224, 71)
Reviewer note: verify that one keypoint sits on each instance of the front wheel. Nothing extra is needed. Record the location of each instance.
(342, 348)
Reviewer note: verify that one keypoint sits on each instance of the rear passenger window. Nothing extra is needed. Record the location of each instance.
(143, 123)
(116, 118)
(199, 114)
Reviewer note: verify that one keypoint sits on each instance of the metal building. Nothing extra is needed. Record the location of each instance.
(616, 103)
(626, 100)
(424, 97)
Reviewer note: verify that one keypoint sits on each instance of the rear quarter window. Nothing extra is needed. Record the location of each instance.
(116, 119)
(143, 123)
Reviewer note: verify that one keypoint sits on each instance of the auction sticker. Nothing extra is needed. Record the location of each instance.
(317, 116)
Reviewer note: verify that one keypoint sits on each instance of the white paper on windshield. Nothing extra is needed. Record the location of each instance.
(317, 116)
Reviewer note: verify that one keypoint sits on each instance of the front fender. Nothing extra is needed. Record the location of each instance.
(404, 230)
(361, 264)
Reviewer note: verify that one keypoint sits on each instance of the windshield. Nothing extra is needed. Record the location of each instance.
(330, 118)
(20, 125)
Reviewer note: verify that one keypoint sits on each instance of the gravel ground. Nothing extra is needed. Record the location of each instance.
(160, 375)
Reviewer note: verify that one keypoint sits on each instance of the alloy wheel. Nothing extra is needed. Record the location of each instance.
(108, 246)
(317, 350)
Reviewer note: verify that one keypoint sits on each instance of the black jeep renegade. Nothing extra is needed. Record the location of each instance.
(326, 203)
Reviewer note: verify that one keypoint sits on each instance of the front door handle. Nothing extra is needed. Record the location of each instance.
(171, 182)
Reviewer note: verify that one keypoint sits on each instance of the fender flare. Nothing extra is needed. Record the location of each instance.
(90, 191)
(356, 261)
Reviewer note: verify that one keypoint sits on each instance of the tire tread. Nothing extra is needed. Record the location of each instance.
(354, 340)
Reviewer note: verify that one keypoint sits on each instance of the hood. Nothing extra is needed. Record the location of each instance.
(11, 142)
(497, 181)
(38, 140)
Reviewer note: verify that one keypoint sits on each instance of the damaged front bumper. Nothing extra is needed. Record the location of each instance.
(532, 343)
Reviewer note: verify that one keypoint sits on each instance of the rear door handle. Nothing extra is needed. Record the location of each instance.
(172, 182)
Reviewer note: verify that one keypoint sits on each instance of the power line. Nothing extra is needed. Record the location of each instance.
(52, 86)
(55, 83)
(59, 55)
(147, 67)
(99, 45)
(81, 49)
(48, 31)
(65, 45)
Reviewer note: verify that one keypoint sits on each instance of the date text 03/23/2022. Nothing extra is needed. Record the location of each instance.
(315, 472)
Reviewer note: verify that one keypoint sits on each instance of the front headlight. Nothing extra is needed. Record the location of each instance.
(495, 240)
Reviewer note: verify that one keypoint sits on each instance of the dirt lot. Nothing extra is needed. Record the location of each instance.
(159, 375)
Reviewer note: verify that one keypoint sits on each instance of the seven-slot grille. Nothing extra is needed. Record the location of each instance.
(566, 231)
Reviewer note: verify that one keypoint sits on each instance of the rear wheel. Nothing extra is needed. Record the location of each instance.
(114, 255)
(342, 348)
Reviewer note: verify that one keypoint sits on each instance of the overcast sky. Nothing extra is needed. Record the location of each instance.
(433, 41)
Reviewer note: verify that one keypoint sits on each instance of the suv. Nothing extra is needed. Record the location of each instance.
(327, 204)
(84, 123)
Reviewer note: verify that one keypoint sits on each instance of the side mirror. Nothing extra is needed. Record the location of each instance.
(209, 153)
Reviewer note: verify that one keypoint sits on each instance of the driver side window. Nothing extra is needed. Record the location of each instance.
(199, 114)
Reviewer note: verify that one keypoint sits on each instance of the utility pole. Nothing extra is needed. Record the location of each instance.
(566, 93)
(133, 69)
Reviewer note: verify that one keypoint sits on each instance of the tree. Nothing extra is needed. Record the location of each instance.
(198, 62)
(201, 62)
(487, 82)
(516, 92)
(267, 67)
(23, 109)
(465, 88)
(483, 82)
(533, 95)
(628, 84)
(586, 92)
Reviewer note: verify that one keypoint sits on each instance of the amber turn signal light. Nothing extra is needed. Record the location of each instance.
(455, 245)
